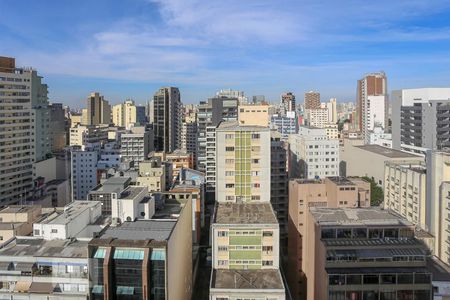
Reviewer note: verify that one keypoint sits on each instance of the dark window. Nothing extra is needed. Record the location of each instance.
(336, 279)
(422, 278)
(374, 234)
(328, 233)
(344, 233)
(388, 279)
(405, 278)
(353, 279)
(370, 295)
(370, 279)
(359, 232)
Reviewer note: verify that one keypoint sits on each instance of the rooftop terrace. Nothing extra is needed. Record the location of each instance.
(246, 279)
(245, 213)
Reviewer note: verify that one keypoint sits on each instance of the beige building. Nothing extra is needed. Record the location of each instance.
(358, 159)
(405, 190)
(242, 163)
(124, 114)
(332, 131)
(98, 110)
(81, 135)
(152, 174)
(256, 115)
(332, 192)
(317, 117)
(17, 220)
(179, 159)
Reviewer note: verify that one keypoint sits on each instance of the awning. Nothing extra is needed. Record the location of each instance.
(24, 266)
(42, 288)
(22, 286)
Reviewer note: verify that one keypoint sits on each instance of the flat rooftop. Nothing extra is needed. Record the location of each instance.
(387, 152)
(340, 180)
(70, 212)
(356, 216)
(245, 213)
(44, 248)
(246, 279)
(159, 230)
(112, 184)
(14, 209)
(234, 125)
(131, 192)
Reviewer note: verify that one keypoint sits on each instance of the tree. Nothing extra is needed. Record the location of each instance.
(376, 192)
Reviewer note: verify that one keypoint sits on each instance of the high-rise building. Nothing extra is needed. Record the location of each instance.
(84, 172)
(317, 117)
(25, 138)
(210, 114)
(312, 100)
(141, 118)
(98, 110)
(372, 102)
(136, 145)
(313, 154)
(167, 109)
(284, 125)
(332, 111)
(288, 102)
(58, 128)
(364, 253)
(420, 119)
(229, 93)
(242, 163)
(124, 114)
(332, 192)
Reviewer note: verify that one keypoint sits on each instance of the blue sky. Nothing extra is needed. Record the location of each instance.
(129, 48)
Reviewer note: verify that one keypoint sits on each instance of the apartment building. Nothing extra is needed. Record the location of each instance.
(17, 220)
(108, 190)
(125, 114)
(98, 110)
(152, 174)
(332, 192)
(81, 135)
(288, 102)
(141, 259)
(312, 154)
(256, 114)
(312, 100)
(364, 253)
(136, 145)
(83, 168)
(210, 163)
(405, 190)
(24, 136)
(243, 163)
(421, 119)
(285, 125)
(189, 138)
(179, 159)
(245, 248)
(317, 117)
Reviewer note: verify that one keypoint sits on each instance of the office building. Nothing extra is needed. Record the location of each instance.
(210, 114)
(332, 192)
(364, 253)
(312, 100)
(313, 154)
(136, 144)
(372, 102)
(98, 110)
(332, 111)
(243, 163)
(421, 119)
(35, 268)
(361, 160)
(25, 138)
(84, 172)
(167, 110)
(141, 259)
(125, 114)
(245, 248)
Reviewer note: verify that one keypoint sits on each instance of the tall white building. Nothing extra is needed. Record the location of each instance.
(332, 111)
(24, 129)
(313, 154)
(317, 117)
(242, 163)
(84, 172)
(124, 114)
(136, 145)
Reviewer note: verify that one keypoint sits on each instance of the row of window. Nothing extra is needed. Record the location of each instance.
(223, 233)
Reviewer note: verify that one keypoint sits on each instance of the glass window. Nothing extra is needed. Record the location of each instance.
(370, 295)
(344, 233)
(354, 295)
(388, 295)
(359, 232)
(405, 278)
(391, 233)
(336, 279)
(337, 295)
(422, 295)
(388, 279)
(328, 233)
(353, 279)
(422, 278)
(405, 295)
(374, 234)
(370, 279)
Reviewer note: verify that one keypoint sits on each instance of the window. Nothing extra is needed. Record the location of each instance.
(267, 233)
(255, 161)
(267, 248)
(255, 136)
(222, 233)
(229, 185)
(37, 232)
(228, 136)
(328, 233)
(222, 262)
(229, 149)
(54, 230)
(267, 262)
(256, 197)
(255, 173)
(229, 173)
(256, 185)
(229, 198)
(229, 161)
(222, 248)
(69, 269)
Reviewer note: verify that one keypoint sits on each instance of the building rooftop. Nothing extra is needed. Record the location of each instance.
(387, 152)
(356, 216)
(112, 184)
(340, 180)
(246, 279)
(71, 212)
(131, 192)
(234, 125)
(245, 213)
(159, 230)
(14, 209)
(37, 247)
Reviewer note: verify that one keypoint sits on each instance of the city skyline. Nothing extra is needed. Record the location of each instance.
(129, 49)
